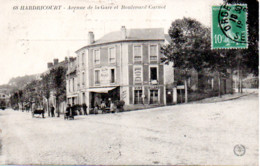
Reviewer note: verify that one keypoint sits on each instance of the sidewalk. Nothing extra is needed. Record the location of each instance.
(225, 97)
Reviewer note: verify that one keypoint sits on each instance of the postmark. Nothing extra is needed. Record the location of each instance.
(229, 26)
(239, 150)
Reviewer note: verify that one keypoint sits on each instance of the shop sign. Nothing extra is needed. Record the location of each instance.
(138, 88)
(180, 87)
(154, 87)
(104, 75)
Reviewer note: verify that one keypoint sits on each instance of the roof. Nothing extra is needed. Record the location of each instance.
(131, 35)
(168, 38)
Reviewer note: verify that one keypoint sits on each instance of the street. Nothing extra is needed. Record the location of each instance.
(194, 133)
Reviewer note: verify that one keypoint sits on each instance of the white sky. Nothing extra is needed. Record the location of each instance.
(30, 39)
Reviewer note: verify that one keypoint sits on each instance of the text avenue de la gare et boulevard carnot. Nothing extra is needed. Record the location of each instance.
(104, 7)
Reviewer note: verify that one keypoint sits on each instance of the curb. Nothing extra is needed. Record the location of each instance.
(228, 99)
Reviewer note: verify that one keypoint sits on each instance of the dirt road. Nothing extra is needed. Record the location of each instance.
(183, 134)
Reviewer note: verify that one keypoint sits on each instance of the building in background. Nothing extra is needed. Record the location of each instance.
(50, 66)
(72, 81)
(4, 98)
(122, 65)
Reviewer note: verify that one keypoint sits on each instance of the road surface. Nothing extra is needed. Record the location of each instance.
(197, 133)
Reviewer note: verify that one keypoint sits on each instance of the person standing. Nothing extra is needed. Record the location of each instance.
(52, 111)
(33, 107)
(85, 108)
(103, 107)
(112, 107)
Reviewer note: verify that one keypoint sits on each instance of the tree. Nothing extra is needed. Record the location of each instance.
(250, 56)
(58, 84)
(247, 60)
(189, 47)
(45, 86)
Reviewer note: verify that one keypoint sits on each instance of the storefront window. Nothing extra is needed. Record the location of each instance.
(153, 96)
(138, 97)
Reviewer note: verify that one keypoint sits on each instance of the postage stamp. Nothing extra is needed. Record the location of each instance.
(229, 26)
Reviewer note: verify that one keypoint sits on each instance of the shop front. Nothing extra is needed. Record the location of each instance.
(103, 94)
(152, 94)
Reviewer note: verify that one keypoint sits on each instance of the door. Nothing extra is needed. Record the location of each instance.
(153, 96)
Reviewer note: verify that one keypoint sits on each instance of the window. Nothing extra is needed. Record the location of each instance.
(73, 85)
(70, 85)
(137, 53)
(137, 74)
(112, 76)
(78, 80)
(83, 78)
(83, 58)
(138, 97)
(153, 96)
(112, 55)
(96, 56)
(153, 53)
(153, 73)
(97, 76)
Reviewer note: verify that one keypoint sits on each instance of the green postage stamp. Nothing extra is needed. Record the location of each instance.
(229, 26)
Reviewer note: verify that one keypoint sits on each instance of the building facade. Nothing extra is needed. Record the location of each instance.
(123, 65)
(4, 98)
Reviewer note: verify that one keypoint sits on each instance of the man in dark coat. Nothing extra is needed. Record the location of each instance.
(52, 111)
(85, 108)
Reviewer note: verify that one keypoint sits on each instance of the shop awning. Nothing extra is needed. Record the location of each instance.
(71, 96)
(101, 90)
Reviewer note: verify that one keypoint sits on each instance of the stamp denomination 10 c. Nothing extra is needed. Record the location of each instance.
(229, 26)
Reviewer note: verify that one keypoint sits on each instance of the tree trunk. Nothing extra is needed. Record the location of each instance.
(48, 109)
(219, 85)
(186, 90)
(240, 82)
(57, 107)
(238, 87)
(231, 77)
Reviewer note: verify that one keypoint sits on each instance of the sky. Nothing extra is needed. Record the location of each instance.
(29, 39)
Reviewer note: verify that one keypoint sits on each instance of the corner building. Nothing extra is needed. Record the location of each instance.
(124, 65)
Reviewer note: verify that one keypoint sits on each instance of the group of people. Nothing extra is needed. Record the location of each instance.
(105, 107)
(73, 108)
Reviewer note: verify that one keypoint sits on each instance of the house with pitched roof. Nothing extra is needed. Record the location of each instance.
(123, 65)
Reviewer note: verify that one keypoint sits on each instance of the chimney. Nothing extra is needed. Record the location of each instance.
(49, 65)
(55, 61)
(123, 32)
(66, 59)
(91, 38)
(71, 59)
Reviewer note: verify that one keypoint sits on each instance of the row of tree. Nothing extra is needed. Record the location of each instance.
(190, 49)
(52, 83)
